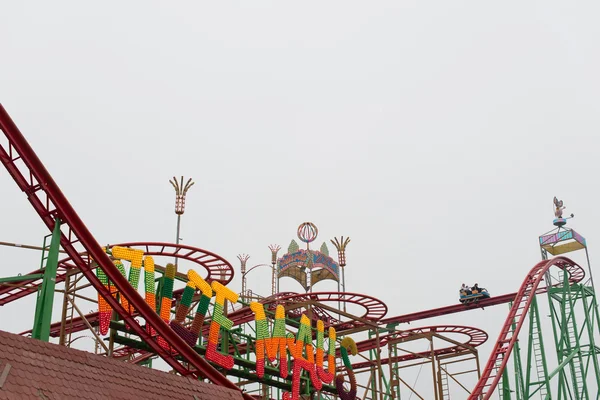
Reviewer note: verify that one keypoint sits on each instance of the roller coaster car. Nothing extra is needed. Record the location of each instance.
(475, 296)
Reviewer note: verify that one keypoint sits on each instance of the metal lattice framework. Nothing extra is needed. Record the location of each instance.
(571, 303)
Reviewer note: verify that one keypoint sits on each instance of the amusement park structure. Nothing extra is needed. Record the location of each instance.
(311, 344)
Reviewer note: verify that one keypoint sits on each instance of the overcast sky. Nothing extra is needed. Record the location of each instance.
(434, 134)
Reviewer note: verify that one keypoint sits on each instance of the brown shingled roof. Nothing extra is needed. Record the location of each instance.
(32, 369)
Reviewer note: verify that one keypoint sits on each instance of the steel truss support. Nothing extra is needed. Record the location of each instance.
(45, 297)
(526, 384)
(504, 392)
(574, 340)
(533, 381)
(447, 369)
(538, 385)
(573, 311)
(74, 277)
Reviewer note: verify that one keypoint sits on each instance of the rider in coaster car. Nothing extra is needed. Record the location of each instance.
(475, 288)
(465, 288)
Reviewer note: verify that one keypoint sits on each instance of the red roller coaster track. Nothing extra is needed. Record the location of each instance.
(51, 205)
(375, 309)
(501, 352)
(217, 268)
(476, 337)
(454, 308)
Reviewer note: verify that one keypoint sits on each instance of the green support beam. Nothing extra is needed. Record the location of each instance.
(578, 371)
(538, 384)
(20, 278)
(45, 297)
(505, 387)
(519, 384)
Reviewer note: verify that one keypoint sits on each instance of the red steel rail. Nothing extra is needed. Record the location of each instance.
(460, 307)
(455, 308)
(51, 205)
(216, 267)
(374, 309)
(476, 337)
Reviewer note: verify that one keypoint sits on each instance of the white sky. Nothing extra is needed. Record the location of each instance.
(433, 134)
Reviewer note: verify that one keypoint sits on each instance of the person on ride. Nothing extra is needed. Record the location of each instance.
(466, 289)
(476, 287)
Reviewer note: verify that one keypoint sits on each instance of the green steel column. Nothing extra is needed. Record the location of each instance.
(372, 382)
(45, 298)
(565, 347)
(591, 314)
(567, 351)
(505, 385)
(556, 324)
(541, 339)
(535, 328)
(395, 372)
(519, 385)
(583, 391)
(386, 385)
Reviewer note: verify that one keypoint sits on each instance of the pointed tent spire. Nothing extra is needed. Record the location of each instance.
(293, 247)
(324, 249)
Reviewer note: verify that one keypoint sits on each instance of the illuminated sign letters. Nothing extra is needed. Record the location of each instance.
(273, 345)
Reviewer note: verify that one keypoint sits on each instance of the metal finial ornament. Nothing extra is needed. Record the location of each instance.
(307, 232)
(340, 245)
(180, 192)
(274, 249)
(243, 258)
(274, 281)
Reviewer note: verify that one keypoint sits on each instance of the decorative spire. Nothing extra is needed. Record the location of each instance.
(274, 249)
(324, 249)
(180, 192)
(307, 232)
(293, 247)
(243, 258)
(340, 245)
